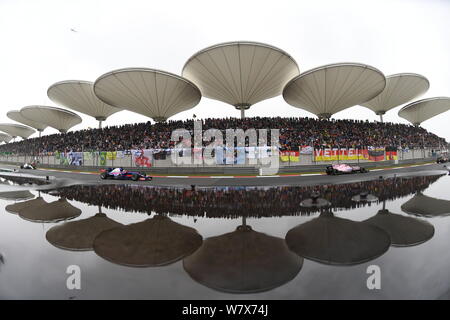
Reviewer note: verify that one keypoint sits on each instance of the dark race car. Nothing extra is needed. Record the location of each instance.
(122, 174)
(344, 169)
(442, 159)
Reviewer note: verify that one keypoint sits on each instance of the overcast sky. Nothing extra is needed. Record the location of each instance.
(38, 47)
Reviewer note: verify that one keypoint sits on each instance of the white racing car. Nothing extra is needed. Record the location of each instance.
(27, 165)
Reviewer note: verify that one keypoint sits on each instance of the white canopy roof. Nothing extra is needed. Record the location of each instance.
(421, 110)
(153, 93)
(241, 73)
(400, 88)
(329, 89)
(16, 130)
(60, 119)
(17, 116)
(79, 96)
(5, 137)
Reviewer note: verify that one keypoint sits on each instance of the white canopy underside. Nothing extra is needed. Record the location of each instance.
(17, 116)
(79, 96)
(399, 89)
(57, 118)
(419, 111)
(152, 93)
(241, 73)
(5, 137)
(16, 130)
(333, 88)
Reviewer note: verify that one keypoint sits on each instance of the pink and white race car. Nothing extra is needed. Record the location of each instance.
(344, 169)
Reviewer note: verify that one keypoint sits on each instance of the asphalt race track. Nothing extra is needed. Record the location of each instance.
(91, 178)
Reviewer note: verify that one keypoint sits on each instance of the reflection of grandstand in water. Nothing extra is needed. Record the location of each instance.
(232, 202)
(243, 261)
(49, 212)
(331, 240)
(404, 231)
(79, 235)
(425, 206)
(157, 241)
(16, 195)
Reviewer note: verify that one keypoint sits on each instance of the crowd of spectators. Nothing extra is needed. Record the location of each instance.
(234, 202)
(294, 132)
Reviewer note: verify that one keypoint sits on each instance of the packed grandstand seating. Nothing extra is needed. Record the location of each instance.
(294, 132)
(233, 202)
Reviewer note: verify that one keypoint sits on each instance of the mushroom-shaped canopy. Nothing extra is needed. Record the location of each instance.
(332, 88)
(52, 212)
(16, 130)
(153, 93)
(421, 110)
(240, 73)
(404, 231)
(17, 207)
(16, 195)
(331, 240)
(79, 96)
(80, 234)
(400, 88)
(243, 261)
(157, 241)
(5, 137)
(425, 206)
(17, 116)
(58, 118)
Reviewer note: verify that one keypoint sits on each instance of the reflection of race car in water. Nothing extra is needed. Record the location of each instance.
(122, 174)
(344, 169)
(442, 159)
(31, 166)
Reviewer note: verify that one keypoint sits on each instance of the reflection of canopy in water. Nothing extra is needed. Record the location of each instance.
(80, 234)
(16, 195)
(52, 212)
(422, 205)
(404, 231)
(17, 207)
(243, 261)
(331, 240)
(157, 241)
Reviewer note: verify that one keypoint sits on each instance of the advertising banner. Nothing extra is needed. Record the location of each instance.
(102, 158)
(294, 156)
(334, 154)
(142, 158)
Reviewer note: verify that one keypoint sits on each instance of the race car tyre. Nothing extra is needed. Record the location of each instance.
(103, 175)
(135, 177)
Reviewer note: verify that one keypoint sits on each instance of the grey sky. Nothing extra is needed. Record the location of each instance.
(38, 47)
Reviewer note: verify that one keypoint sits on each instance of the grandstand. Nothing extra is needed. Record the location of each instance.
(294, 133)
